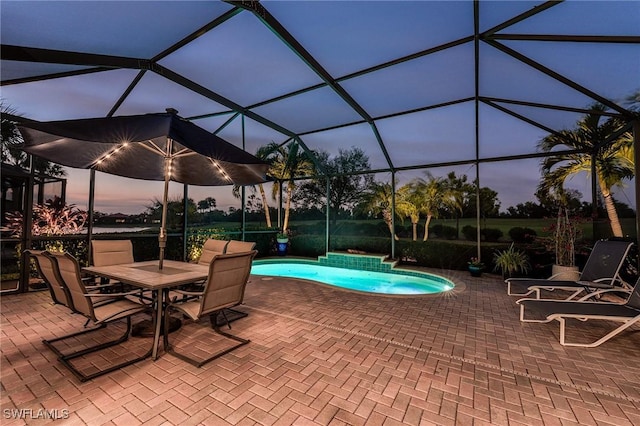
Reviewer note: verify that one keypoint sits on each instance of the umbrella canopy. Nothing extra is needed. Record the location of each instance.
(159, 147)
(136, 146)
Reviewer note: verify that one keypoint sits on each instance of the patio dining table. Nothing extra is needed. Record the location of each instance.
(148, 276)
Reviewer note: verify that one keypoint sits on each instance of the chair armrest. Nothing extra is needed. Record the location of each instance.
(597, 294)
(186, 296)
(130, 293)
(93, 287)
(104, 286)
(188, 293)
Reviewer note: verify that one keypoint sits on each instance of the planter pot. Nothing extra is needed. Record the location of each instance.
(565, 273)
(282, 244)
(475, 271)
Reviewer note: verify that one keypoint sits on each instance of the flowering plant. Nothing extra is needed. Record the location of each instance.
(52, 218)
(475, 262)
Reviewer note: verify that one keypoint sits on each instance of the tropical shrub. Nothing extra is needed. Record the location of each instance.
(511, 261)
(470, 233)
(491, 234)
(443, 231)
(196, 239)
(519, 234)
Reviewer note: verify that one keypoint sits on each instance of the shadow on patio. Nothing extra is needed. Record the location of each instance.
(320, 355)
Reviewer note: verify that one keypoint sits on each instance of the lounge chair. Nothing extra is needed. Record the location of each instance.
(108, 308)
(224, 288)
(600, 272)
(548, 310)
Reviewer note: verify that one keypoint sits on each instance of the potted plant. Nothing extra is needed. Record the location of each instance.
(565, 234)
(475, 267)
(282, 242)
(511, 261)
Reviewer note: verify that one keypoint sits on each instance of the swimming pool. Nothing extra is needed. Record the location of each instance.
(352, 279)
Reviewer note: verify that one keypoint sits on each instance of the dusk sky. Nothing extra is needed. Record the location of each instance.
(243, 61)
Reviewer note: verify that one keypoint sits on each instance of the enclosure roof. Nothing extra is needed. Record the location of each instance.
(412, 83)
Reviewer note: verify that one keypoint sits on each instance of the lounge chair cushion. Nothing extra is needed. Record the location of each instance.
(540, 309)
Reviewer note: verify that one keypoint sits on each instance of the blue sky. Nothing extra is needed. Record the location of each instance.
(245, 62)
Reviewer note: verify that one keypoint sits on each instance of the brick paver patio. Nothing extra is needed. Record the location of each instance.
(324, 356)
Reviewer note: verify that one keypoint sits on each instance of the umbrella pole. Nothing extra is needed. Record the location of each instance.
(162, 238)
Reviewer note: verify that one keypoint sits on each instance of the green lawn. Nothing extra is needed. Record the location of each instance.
(540, 226)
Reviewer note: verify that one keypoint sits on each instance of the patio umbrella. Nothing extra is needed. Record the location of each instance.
(160, 147)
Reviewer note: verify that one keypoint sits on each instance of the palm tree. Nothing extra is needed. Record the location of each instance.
(207, 204)
(612, 162)
(431, 195)
(10, 138)
(458, 189)
(264, 153)
(379, 199)
(287, 164)
(407, 205)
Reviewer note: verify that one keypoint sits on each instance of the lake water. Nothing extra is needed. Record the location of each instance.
(118, 229)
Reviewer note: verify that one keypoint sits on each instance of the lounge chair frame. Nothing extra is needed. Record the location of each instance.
(589, 281)
(627, 313)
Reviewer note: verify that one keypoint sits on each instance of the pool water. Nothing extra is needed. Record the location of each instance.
(352, 279)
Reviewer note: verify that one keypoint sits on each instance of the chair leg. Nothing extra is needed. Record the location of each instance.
(200, 363)
(615, 332)
(66, 359)
(511, 292)
(49, 343)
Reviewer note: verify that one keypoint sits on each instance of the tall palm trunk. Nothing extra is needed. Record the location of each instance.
(267, 214)
(287, 208)
(386, 215)
(426, 227)
(616, 228)
(414, 225)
